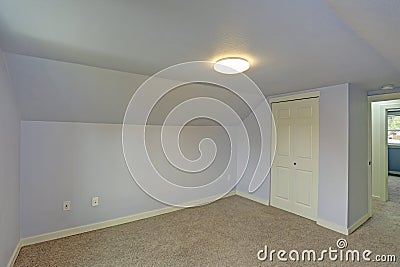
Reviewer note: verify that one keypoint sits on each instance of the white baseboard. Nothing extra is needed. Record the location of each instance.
(253, 198)
(14, 255)
(333, 226)
(144, 215)
(114, 222)
(323, 223)
(358, 223)
(100, 225)
(342, 229)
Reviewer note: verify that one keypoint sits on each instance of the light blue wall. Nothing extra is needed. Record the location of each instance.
(262, 193)
(50, 160)
(333, 154)
(394, 158)
(9, 167)
(76, 161)
(358, 155)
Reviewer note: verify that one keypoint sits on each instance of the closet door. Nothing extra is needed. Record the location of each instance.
(294, 174)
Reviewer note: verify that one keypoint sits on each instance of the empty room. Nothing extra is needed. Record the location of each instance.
(199, 133)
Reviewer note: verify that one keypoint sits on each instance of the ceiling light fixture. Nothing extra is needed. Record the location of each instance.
(231, 65)
(387, 87)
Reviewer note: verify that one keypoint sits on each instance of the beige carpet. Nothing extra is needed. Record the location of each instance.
(394, 188)
(228, 232)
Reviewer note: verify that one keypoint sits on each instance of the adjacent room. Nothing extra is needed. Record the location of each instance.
(199, 133)
(393, 124)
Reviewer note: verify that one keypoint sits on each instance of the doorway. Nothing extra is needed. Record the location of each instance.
(393, 139)
(385, 147)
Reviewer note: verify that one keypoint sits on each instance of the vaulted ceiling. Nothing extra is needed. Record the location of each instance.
(292, 45)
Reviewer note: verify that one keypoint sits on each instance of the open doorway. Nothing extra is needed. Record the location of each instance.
(393, 134)
(385, 150)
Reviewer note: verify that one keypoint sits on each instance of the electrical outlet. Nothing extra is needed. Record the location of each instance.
(95, 201)
(67, 205)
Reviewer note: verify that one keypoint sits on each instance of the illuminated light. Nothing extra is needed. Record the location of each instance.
(231, 65)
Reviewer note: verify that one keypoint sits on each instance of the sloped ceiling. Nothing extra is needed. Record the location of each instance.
(292, 45)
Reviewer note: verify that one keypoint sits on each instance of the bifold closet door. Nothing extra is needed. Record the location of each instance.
(294, 174)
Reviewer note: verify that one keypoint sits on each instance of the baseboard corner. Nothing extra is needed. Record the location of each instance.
(14, 255)
(358, 223)
(253, 198)
(333, 226)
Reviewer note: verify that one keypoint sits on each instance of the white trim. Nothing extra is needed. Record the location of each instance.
(369, 157)
(342, 229)
(294, 96)
(253, 198)
(319, 89)
(14, 255)
(113, 222)
(95, 226)
(358, 223)
(384, 97)
(333, 226)
(394, 172)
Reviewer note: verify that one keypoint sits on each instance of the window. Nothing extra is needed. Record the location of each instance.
(394, 127)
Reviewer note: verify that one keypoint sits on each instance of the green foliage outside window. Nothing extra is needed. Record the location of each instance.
(393, 122)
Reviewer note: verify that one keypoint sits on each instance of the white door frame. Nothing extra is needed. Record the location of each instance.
(382, 167)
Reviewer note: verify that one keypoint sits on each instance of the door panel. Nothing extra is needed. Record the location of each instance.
(303, 140)
(303, 185)
(284, 113)
(282, 185)
(281, 195)
(283, 145)
(303, 111)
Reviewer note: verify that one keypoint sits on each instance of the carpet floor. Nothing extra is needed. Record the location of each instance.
(228, 232)
(394, 188)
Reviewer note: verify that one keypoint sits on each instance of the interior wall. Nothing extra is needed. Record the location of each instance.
(333, 158)
(76, 161)
(9, 167)
(358, 155)
(394, 159)
(49, 90)
(262, 193)
(333, 154)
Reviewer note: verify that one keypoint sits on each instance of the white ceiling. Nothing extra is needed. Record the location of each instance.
(293, 45)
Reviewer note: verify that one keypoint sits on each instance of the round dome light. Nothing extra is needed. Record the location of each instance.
(231, 65)
(388, 87)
